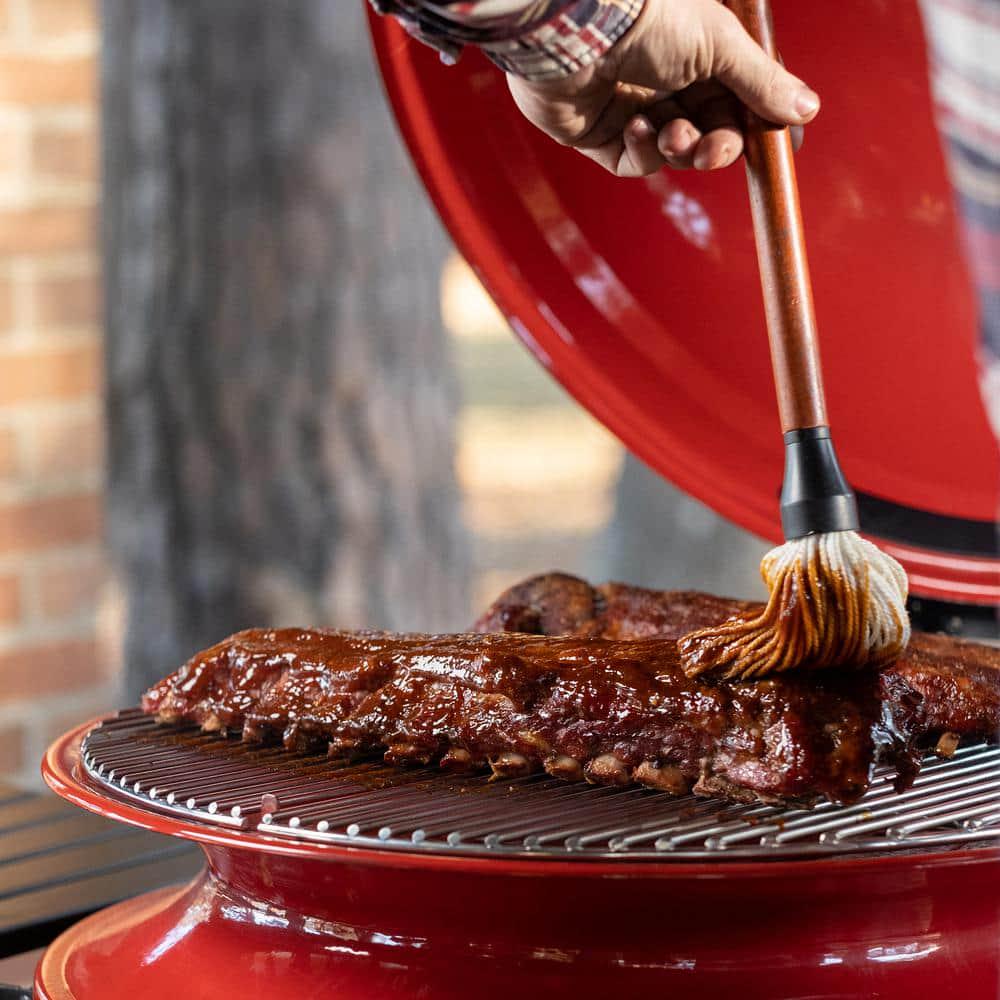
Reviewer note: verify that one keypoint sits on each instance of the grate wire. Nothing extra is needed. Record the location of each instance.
(220, 781)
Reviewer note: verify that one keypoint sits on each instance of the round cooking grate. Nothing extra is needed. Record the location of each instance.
(221, 781)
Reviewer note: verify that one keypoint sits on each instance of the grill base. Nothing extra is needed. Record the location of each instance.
(284, 917)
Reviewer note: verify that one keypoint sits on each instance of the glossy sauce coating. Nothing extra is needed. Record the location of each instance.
(608, 702)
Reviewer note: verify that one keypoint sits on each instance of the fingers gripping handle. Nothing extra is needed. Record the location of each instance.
(781, 251)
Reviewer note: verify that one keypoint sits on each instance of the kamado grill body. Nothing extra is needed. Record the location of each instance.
(279, 915)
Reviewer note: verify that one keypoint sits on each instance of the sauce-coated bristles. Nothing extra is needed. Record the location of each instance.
(835, 599)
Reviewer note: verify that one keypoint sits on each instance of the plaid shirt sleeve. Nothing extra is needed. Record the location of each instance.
(534, 39)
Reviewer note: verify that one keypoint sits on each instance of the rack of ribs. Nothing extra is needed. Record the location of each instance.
(585, 683)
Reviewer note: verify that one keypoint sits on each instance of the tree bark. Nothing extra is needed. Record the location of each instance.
(280, 397)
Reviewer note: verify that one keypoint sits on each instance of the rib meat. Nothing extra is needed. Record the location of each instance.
(604, 699)
(939, 685)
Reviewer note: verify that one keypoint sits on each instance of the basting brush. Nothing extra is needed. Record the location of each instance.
(835, 598)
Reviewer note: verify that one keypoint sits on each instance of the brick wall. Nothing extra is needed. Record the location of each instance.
(53, 669)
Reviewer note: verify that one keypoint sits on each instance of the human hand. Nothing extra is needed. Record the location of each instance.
(668, 92)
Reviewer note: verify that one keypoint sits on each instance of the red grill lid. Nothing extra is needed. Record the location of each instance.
(642, 297)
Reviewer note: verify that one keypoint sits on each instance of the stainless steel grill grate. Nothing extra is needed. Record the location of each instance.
(221, 781)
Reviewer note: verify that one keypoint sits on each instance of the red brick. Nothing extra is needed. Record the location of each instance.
(70, 590)
(48, 667)
(53, 19)
(70, 301)
(37, 81)
(52, 373)
(46, 524)
(47, 229)
(64, 154)
(69, 444)
(12, 743)
(10, 599)
(10, 462)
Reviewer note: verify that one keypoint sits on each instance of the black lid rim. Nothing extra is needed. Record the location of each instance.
(926, 529)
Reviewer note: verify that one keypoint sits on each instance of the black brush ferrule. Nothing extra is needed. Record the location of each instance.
(815, 496)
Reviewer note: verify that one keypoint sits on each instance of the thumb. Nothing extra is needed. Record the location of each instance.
(759, 81)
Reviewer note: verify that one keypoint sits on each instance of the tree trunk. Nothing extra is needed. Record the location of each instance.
(280, 397)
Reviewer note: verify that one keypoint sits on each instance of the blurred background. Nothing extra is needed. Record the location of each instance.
(273, 393)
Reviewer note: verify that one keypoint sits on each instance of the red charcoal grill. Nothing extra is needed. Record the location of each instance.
(360, 881)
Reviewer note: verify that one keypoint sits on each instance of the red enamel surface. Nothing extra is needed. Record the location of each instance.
(642, 297)
(284, 921)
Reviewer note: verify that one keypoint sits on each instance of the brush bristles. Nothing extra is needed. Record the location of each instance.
(835, 599)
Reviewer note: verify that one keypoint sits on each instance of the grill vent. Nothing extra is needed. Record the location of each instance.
(221, 781)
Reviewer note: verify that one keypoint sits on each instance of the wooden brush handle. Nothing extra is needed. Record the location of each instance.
(781, 251)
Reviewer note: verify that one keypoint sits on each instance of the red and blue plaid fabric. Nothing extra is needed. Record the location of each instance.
(534, 39)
